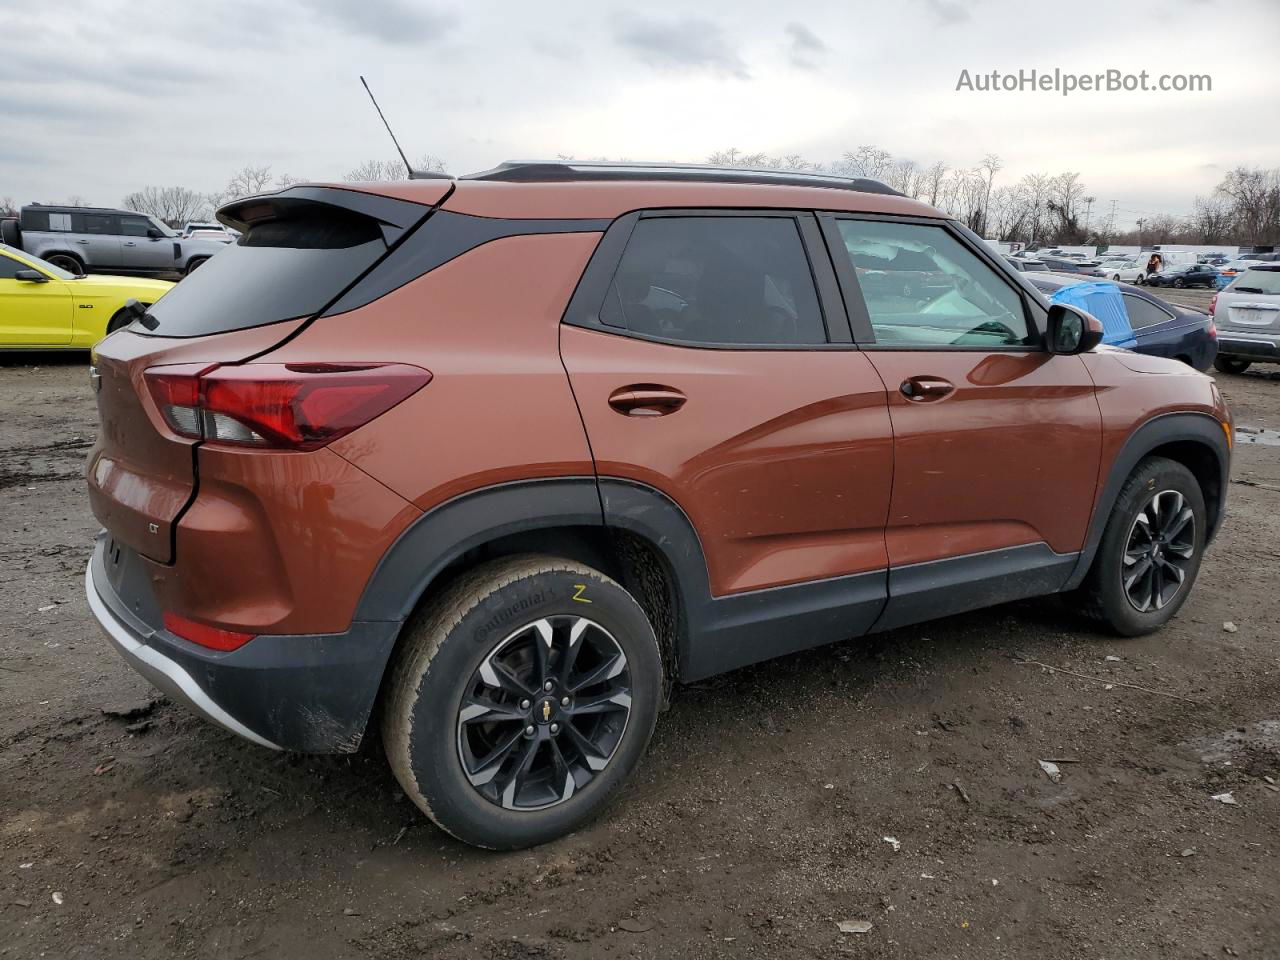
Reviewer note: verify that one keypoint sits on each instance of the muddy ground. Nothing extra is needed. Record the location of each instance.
(760, 818)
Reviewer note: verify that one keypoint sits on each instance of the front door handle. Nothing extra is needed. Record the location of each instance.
(81, 241)
(646, 400)
(924, 389)
(130, 243)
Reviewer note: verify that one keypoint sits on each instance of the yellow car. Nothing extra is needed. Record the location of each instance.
(42, 307)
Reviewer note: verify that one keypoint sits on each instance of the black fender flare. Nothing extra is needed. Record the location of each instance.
(447, 531)
(1188, 426)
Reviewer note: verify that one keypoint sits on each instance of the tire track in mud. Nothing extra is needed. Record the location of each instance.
(45, 463)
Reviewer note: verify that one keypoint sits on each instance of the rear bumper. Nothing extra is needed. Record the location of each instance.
(1255, 346)
(311, 694)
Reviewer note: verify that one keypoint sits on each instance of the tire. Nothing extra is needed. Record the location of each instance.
(194, 265)
(120, 319)
(1179, 283)
(1105, 594)
(1116, 278)
(11, 232)
(67, 262)
(1231, 364)
(466, 646)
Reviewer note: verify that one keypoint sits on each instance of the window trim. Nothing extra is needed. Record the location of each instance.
(855, 301)
(587, 303)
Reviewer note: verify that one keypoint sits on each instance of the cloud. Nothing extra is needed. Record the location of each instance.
(804, 46)
(948, 12)
(688, 44)
(390, 21)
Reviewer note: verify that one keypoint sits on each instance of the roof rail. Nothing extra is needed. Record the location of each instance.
(542, 171)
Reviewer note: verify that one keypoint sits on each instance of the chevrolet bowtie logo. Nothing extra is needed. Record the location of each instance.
(546, 710)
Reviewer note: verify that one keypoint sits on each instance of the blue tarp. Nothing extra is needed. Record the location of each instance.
(1105, 302)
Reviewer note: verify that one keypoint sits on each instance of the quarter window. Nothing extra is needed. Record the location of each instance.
(1142, 312)
(60, 221)
(922, 287)
(716, 280)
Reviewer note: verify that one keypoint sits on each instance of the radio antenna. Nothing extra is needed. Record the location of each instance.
(413, 174)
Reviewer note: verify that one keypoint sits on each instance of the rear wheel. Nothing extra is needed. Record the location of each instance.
(522, 699)
(65, 261)
(1231, 364)
(1150, 551)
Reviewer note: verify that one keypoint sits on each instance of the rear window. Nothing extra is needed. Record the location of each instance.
(281, 269)
(1257, 281)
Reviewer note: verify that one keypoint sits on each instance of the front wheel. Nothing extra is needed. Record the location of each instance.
(1116, 277)
(521, 700)
(1179, 283)
(1231, 364)
(194, 265)
(1150, 551)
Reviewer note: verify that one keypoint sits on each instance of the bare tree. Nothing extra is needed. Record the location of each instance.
(930, 183)
(174, 205)
(248, 181)
(374, 170)
(988, 169)
(7, 208)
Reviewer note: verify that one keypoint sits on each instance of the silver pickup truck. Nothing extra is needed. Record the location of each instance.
(100, 240)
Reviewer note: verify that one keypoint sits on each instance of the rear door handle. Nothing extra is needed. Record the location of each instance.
(646, 400)
(924, 389)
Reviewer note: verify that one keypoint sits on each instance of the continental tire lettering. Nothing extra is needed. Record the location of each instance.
(510, 614)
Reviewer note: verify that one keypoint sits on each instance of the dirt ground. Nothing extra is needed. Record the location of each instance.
(762, 816)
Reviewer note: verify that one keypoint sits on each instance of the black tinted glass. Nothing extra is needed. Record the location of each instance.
(1143, 313)
(279, 270)
(717, 280)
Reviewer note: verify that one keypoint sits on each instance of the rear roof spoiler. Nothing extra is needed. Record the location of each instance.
(393, 216)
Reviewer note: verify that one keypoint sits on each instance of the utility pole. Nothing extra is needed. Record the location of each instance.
(1140, 223)
(1088, 206)
(1111, 219)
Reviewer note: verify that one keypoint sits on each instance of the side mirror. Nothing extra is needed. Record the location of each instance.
(1072, 330)
(154, 234)
(31, 276)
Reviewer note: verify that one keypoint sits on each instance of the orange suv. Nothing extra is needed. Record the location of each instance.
(498, 460)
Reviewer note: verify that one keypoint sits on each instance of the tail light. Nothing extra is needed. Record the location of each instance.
(204, 635)
(1213, 329)
(1213, 305)
(282, 406)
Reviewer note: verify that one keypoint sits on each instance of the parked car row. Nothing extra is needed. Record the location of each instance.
(1172, 268)
(81, 240)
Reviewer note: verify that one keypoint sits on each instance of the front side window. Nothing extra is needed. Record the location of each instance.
(134, 226)
(922, 287)
(716, 280)
(1142, 312)
(9, 268)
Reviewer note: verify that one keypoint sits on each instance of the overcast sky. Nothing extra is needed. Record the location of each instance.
(100, 98)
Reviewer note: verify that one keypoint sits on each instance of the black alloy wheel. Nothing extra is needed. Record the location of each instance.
(1159, 551)
(544, 712)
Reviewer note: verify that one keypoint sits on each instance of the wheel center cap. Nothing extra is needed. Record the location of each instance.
(545, 710)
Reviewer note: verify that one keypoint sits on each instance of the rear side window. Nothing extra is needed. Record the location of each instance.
(922, 287)
(1143, 313)
(288, 265)
(99, 223)
(716, 281)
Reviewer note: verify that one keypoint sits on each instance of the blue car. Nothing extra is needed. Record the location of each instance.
(1155, 326)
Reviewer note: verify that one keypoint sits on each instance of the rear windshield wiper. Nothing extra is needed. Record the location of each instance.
(1249, 290)
(140, 314)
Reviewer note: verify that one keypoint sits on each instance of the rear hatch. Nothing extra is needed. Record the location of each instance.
(300, 250)
(1253, 301)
